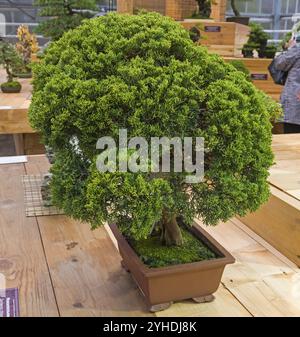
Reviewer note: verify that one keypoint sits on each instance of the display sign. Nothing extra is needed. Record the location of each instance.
(212, 29)
(259, 77)
(9, 303)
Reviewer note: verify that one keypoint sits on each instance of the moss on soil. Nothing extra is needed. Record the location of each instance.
(154, 255)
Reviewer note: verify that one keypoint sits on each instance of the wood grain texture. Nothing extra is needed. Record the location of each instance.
(22, 258)
(14, 121)
(87, 279)
(261, 281)
(228, 42)
(278, 221)
(85, 266)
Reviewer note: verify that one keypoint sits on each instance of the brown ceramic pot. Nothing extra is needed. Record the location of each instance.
(162, 286)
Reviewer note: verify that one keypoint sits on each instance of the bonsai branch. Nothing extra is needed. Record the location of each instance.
(235, 9)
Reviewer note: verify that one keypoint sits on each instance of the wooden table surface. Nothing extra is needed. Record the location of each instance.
(14, 108)
(285, 174)
(16, 101)
(62, 268)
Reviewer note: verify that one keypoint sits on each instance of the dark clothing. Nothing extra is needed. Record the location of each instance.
(291, 128)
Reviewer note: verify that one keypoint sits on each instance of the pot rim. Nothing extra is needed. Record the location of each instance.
(224, 259)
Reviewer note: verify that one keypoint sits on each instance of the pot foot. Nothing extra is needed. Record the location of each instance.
(124, 266)
(204, 299)
(160, 307)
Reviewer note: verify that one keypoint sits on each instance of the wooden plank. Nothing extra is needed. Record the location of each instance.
(32, 144)
(224, 305)
(228, 41)
(278, 222)
(85, 266)
(258, 277)
(218, 10)
(14, 121)
(264, 243)
(258, 66)
(22, 258)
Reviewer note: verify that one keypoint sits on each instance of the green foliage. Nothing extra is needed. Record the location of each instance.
(249, 48)
(153, 254)
(62, 15)
(257, 34)
(258, 39)
(270, 51)
(240, 66)
(8, 58)
(143, 73)
(12, 85)
(286, 39)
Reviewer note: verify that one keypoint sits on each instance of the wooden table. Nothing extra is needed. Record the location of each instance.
(14, 118)
(278, 221)
(62, 268)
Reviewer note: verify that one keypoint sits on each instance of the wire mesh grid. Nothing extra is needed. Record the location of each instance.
(34, 205)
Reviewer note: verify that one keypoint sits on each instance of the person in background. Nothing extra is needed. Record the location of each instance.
(290, 98)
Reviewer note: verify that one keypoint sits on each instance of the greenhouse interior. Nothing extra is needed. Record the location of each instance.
(189, 107)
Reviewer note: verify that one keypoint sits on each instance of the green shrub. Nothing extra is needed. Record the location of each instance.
(143, 73)
(240, 66)
(258, 39)
(12, 85)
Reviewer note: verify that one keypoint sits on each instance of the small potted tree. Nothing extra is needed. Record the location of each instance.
(8, 59)
(244, 20)
(144, 76)
(248, 49)
(258, 40)
(26, 46)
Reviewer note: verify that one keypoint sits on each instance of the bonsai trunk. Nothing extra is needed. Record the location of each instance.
(9, 73)
(171, 234)
(234, 8)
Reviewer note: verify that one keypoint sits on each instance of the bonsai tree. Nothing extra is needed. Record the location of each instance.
(204, 8)
(8, 59)
(143, 73)
(259, 38)
(26, 46)
(270, 51)
(63, 15)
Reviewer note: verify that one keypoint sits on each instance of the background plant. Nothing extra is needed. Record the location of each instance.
(63, 15)
(26, 45)
(204, 8)
(144, 73)
(240, 66)
(9, 58)
(258, 39)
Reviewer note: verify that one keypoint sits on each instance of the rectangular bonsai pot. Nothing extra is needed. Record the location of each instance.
(162, 286)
